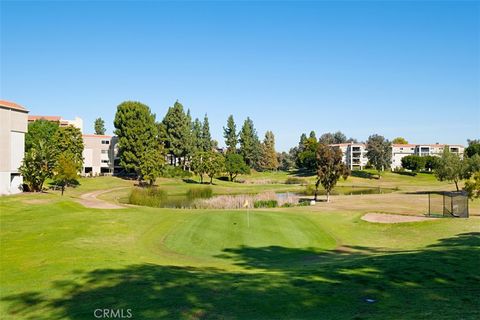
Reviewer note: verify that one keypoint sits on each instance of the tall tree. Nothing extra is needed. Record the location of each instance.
(230, 135)
(199, 164)
(65, 170)
(313, 135)
(197, 135)
(235, 165)
(452, 168)
(333, 138)
(214, 164)
(249, 143)
(473, 148)
(177, 127)
(99, 126)
(307, 158)
(330, 168)
(137, 132)
(339, 137)
(151, 163)
(295, 151)
(40, 130)
(399, 140)
(268, 160)
(206, 136)
(379, 152)
(285, 161)
(69, 139)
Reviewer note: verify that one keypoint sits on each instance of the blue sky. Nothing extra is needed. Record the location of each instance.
(408, 69)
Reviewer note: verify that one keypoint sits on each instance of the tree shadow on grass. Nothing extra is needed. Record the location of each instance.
(439, 281)
(302, 173)
(363, 174)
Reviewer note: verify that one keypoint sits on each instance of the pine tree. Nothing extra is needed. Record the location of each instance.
(230, 135)
(177, 127)
(99, 126)
(137, 132)
(269, 159)
(197, 135)
(379, 152)
(250, 147)
(206, 136)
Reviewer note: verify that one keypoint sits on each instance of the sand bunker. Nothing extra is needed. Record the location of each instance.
(391, 218)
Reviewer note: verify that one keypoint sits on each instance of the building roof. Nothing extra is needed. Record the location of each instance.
(426, 145)
(403, 145)
(100, 136)
(12, 105)
(48, 118)
(347, 144)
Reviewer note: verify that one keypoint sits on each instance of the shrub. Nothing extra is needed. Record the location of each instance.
(175, 172)
(304, 203)
(288, 205)
(294, 180)
(196, 193)
(413, 163)
(265, 204)
(151, 197)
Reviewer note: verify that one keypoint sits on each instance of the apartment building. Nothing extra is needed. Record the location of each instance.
(98, 154)
(77, 122)
(402, 150)
(13, 126)
(354, 155)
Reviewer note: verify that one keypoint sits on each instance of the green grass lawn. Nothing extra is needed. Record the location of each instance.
(60, 260)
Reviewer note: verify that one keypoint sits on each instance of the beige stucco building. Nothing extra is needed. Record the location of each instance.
(402, 150)
(77, 122)
(98, 154)
(354, 155)
(13, 126)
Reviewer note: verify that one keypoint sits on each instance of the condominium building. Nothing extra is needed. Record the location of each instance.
(13, 126)
(402, 150)
(354, 154)
(98, 154)
(77, 122)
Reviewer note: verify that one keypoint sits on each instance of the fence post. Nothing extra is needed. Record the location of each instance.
(429, 213)
(451, 206)
(443, 209)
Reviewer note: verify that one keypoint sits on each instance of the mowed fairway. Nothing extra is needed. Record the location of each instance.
(61, 260)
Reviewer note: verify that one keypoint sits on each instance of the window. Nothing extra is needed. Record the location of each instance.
(104, 151)
(105, 142)
(104, 161)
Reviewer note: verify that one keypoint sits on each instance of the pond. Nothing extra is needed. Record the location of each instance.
(353, 190)
(205, 200)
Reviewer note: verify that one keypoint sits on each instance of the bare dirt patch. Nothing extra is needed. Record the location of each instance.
(392, 218)
(90, 200)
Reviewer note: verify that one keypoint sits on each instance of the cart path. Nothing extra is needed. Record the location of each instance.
(90, 200)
